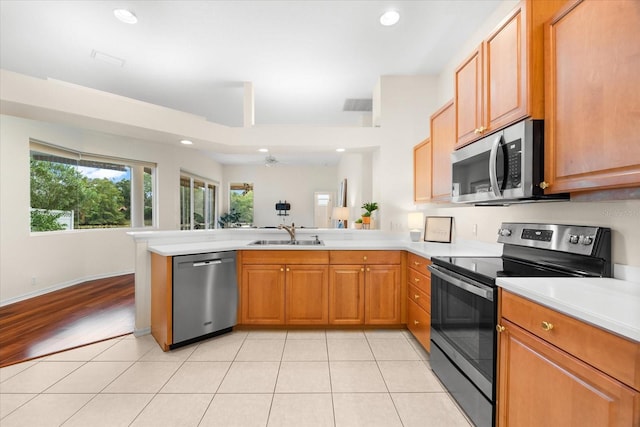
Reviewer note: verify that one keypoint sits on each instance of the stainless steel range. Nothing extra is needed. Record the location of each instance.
(464, 301)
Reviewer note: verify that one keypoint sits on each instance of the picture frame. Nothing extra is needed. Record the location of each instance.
(438, 229)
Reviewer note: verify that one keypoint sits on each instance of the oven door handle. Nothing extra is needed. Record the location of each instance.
(493, 163)
(459, 282)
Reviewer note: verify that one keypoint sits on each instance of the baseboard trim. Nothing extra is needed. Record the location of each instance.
(141, 332)
(62, 285)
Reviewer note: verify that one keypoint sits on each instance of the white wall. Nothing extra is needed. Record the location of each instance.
(295, 184)
(55, 259)
(356, 168)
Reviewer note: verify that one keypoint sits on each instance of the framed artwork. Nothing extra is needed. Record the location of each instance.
(438, 229)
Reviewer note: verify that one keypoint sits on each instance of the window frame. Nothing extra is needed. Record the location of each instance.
(77, 156)
(211, 214)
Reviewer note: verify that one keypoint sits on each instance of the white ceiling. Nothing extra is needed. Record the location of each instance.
(303, 57)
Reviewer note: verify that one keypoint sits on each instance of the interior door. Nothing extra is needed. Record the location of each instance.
(322, 204)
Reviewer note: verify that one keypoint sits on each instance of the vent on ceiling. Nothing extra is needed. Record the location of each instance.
(352, 104)
(109, 59)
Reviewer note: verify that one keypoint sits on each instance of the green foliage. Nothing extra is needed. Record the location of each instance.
(228, 219)
(95, 202)
(45, 221)
(369, 208)
(242, 204)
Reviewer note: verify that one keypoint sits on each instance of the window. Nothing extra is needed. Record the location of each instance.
(241, 202)
(197, 202)
(72, 190)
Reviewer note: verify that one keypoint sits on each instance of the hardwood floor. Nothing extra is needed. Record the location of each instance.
(72, 317)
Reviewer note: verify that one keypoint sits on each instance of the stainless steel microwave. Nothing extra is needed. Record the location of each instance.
(502, 168)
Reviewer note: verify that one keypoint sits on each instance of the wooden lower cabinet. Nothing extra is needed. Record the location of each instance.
(382, 295)
(307, 295)
(419, 299)
(346, 295)
(551, 370)
(419, 323)
(262, 295)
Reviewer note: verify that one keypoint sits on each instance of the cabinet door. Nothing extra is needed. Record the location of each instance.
(468, 100)
(419, 324)
(592, 97)
(346, 295)
(442, 142)
(307, 295)
(422, 171)
(382, 293)
(505, 72)
(262, 294)
(540, 385)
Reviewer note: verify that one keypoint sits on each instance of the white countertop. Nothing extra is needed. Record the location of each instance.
(610, 304)
(424, 249)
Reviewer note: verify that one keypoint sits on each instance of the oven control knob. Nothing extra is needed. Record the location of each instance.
(587, 240)
(574, 239)
(504, 232)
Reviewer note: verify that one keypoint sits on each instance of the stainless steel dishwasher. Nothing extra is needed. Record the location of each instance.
(205, 295)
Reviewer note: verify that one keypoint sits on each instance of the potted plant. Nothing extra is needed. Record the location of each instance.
(358, 223)
(369, 209)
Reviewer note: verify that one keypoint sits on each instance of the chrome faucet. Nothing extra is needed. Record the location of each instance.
(290, 229)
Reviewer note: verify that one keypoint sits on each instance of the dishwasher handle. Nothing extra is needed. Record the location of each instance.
(211, 262)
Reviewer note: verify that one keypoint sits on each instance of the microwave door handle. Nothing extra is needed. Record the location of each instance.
(493, 161)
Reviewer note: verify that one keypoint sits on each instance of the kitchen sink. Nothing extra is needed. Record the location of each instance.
(288, 242)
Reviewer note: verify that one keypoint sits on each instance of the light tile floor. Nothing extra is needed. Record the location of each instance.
(245, 378)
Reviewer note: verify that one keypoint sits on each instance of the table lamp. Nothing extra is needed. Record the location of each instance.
(416, 221)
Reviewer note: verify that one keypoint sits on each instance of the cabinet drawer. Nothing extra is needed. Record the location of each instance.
(420, 281)
(422, 299)
(365, 257)
(613, 355)
(285, 257)
(418, 263)
(419, 323)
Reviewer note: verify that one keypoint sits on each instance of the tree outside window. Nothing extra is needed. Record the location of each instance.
(241, 202)
(71, 190)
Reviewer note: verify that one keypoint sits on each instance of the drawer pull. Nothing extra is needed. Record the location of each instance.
(415, 322)
(416, 263)
(416, 296)
(281, 269)
(500, 328)
(364, 257)
(362, 269)
(416, 280)
(547, 326)
(288, 269)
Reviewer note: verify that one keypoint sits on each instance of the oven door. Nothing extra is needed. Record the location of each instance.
(463, 321)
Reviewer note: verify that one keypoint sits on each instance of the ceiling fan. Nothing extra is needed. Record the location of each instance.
(270, 160)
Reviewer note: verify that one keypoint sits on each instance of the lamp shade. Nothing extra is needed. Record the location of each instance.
(416, 220)
(340, 213)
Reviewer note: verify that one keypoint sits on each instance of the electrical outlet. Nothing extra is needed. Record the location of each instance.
(33, 281)
(475, 229)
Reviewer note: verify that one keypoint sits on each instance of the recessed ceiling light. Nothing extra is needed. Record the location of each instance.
(263, 150)
(125, 16)
(340, 150)
(186, 142)
(389, 18)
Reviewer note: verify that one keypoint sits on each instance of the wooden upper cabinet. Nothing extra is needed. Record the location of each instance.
(442, 142)
(422, 172)
(592, 127)
(468, 99)
(502, 81)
